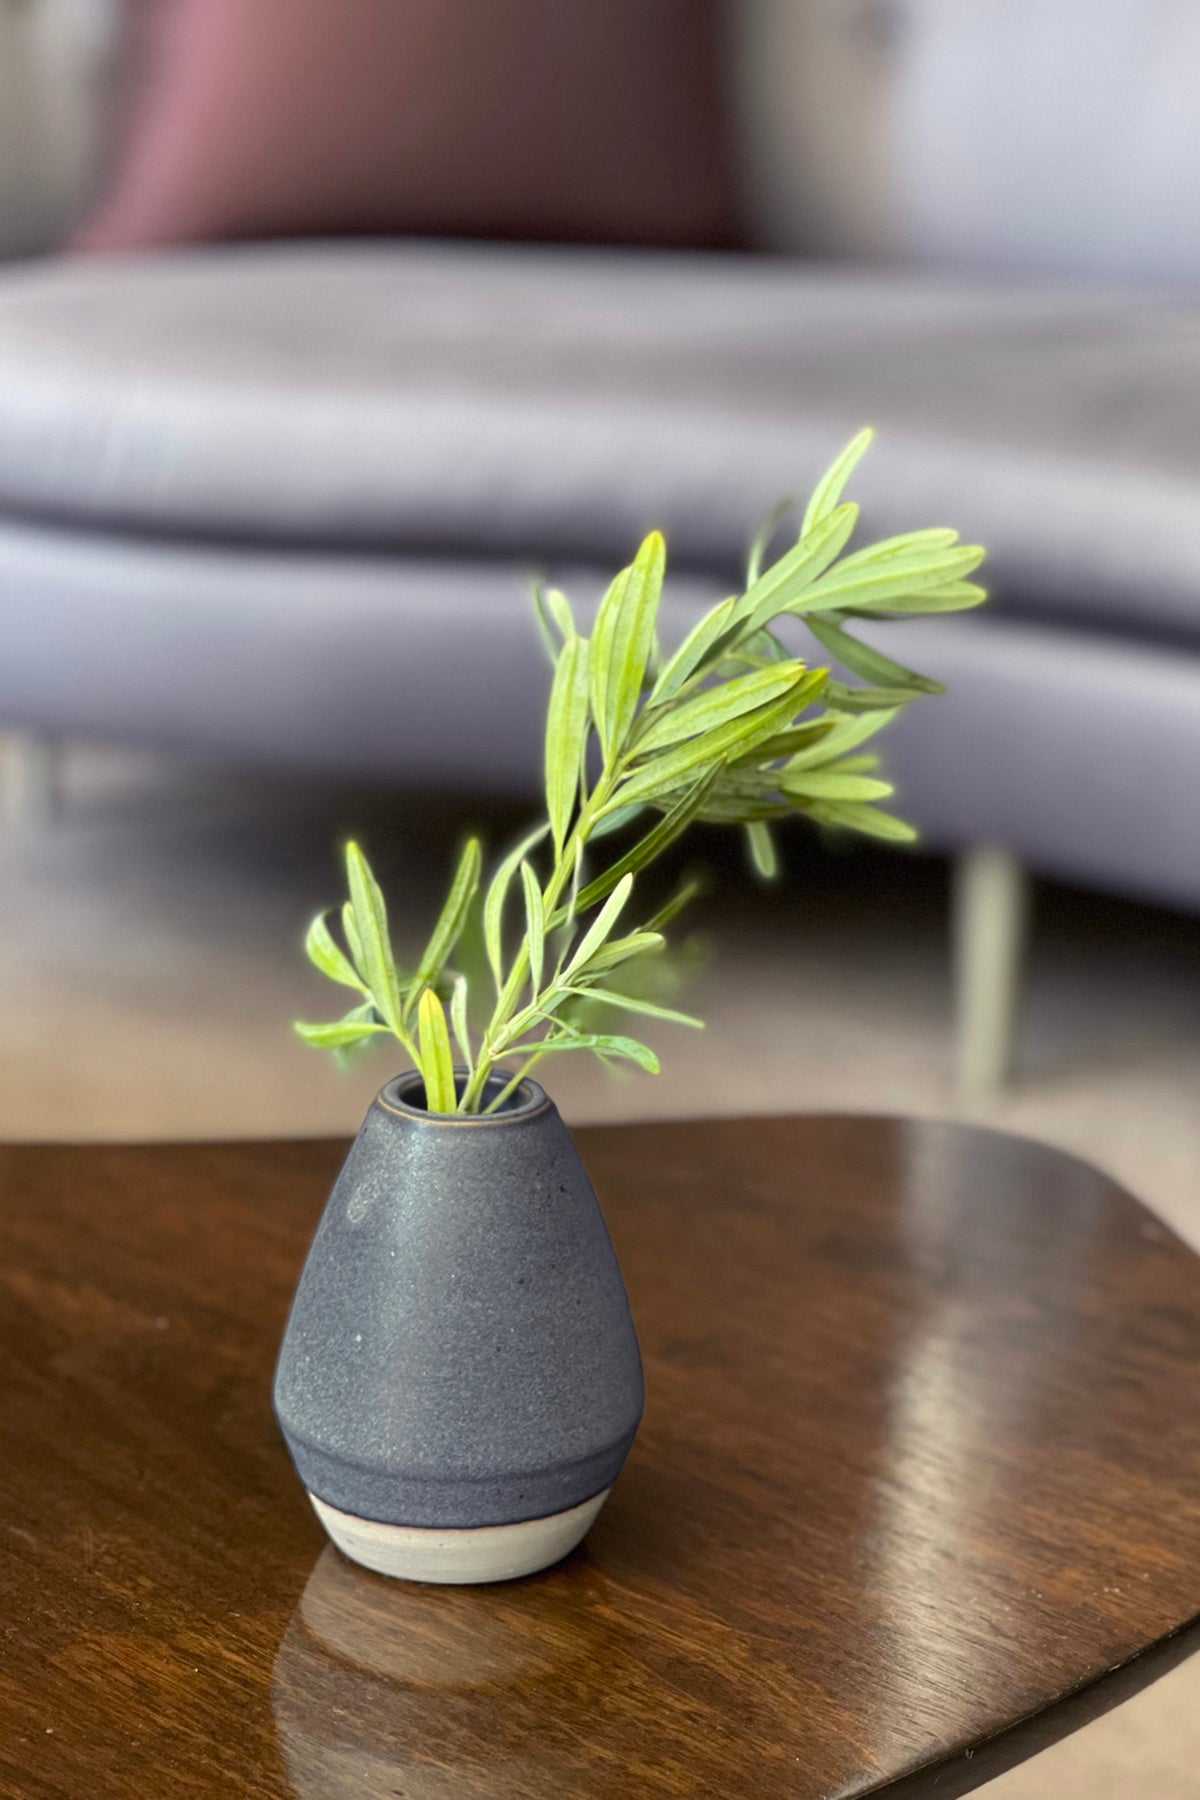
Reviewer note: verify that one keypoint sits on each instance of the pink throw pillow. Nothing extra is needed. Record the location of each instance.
(544, 119)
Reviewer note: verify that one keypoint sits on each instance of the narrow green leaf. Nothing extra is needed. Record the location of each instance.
(736, 810)
(947, 596)
(871, 583)
(635, 1004)
(622, 639)
(535, 926)
(601, 926)
(735, 738)
(576, 882)
(713, 706)
(553, 611)
(363, 1014)
(787, 743)
(560, 610)
(862, 659)
(603, 1045)
(458, 1019)
(634, 636)
(762, 849)
(673, 907)
(545, 630)
(691, 653)
(325, 954)
(339, 1034)
(566, 734)
(833, 784)
(858, 765)
(847, 734)
(760, 650)
(437, 1064)
(367, 1021)
(454, 914)
(353, 941)
(842, 699)
(493, 906)
(629, 1049)
(828, 490)
(623, 950)
(541, 1010)
(370, 918)
(600, 654)
(616, 820)
(762, 538)
(866, 819)
(654, 842)
(907, 547)
(786, 581)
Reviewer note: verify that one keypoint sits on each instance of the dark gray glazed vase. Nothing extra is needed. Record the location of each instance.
(460, 1382)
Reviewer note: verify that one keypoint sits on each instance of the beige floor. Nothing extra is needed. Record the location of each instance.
(149, 966)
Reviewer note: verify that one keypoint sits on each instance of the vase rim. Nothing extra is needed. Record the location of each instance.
(529, 1100)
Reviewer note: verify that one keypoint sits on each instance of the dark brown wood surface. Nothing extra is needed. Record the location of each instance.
(918, 1487)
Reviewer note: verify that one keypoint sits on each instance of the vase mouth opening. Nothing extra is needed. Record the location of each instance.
(406, 1094)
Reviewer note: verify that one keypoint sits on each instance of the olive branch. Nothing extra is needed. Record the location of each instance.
(731, 728)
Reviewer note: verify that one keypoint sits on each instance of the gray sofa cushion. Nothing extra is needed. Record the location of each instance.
(306, 658)
(1077, 750)
(558, 402)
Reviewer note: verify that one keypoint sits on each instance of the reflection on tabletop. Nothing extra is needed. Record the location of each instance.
(383, 1688)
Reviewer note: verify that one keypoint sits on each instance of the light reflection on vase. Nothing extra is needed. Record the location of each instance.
(383, 1688)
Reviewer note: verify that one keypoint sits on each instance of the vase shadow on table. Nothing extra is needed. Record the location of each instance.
(383, 1687)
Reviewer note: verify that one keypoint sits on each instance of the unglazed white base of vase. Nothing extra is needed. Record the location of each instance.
(483, 1553)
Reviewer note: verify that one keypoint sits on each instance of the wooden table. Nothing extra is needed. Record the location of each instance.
(918, 1488)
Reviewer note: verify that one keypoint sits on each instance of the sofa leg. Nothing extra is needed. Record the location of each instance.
(30, 780)
(991, 909)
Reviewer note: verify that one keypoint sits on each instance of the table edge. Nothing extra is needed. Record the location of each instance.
(974, 1765)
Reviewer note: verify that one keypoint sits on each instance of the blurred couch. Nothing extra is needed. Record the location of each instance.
(272, 500)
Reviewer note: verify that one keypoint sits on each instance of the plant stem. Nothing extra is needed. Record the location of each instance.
(561, 874)
(510, 1086)
(564, 867)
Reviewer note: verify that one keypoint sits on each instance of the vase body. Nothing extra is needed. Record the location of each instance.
(459, 1381)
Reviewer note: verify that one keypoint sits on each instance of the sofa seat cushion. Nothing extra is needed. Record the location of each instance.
(416, 668)
(428, 671)
(507, 401)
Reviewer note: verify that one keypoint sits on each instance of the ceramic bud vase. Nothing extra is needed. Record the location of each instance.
(459, 1382)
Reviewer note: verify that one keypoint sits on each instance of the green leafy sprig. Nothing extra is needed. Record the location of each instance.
(731, 728)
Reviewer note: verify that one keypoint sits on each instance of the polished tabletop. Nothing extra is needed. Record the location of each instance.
(917, 1491)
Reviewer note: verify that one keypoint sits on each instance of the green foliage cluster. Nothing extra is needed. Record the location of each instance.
(731, 728)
